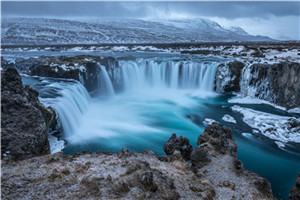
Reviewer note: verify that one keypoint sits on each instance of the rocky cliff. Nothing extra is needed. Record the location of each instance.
(85, 69)
(278, 83)
(24, 121)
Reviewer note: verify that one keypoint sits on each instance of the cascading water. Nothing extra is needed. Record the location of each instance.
(144, 85)
(73, 101)
(143, 74)
(105, 85)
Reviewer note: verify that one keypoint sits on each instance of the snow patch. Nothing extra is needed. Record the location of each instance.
(273, 126)
(228, 118)
(55, 144)
(250, 100)
(209, 121)
(279, 144)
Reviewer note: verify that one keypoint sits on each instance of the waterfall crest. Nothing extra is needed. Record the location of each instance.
(142, 74)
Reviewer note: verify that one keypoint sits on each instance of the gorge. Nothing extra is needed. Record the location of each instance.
(138, 99)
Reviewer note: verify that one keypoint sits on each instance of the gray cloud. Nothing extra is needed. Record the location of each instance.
(229, 10)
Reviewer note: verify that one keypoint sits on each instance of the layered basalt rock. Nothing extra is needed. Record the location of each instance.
(84, 68)
(214, 174)
(277, 83)
(81, 68)
(24, 121)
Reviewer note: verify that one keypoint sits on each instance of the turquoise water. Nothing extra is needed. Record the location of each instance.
(258, 153)
(146, 119)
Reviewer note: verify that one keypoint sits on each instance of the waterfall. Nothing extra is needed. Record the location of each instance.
(105, 85)
(71, 104)
(143, 74)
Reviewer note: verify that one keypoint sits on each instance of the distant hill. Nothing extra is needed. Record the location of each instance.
(43, 31)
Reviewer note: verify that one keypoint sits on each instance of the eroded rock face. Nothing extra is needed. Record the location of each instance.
(278, 83)
(24, 121)
(295, 191)
(84, 69)
(228, 77)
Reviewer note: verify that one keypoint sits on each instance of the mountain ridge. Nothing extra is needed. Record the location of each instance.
(32, 31)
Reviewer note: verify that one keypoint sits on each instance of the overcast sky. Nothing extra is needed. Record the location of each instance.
(279, 20)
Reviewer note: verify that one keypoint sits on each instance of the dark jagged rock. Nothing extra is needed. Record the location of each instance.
(277, 83)
(218, 137)
(24, 121)
(295, 191)
(180, 144)
(200, 157)
(81, 68)
(228, 77)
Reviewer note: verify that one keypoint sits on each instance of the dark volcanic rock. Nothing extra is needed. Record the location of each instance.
(24, 121)
(85, 69)
(228, 77)
(278, 83)
(218, 137)
(295, 191)
(181, 144)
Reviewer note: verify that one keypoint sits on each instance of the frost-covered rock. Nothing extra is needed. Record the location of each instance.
(227, 77)
(278, 83)
(85, 69)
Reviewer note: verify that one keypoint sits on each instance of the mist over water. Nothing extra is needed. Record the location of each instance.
(154, 99)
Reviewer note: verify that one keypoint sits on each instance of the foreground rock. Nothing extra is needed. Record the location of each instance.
(295, 191)
(212, 173)
(24, 121)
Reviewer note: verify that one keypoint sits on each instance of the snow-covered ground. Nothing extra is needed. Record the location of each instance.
(278, 128)
(228, 118)
(30, 31)
(239, 99)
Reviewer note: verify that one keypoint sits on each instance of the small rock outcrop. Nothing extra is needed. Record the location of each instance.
(24, 120)
(180, 144)
(295, 191)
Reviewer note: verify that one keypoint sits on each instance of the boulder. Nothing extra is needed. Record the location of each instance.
(217, 139)
(25, 121)
(181, 144)
(295, 191)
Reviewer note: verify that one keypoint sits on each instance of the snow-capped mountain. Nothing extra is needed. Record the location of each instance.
(33, 31)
